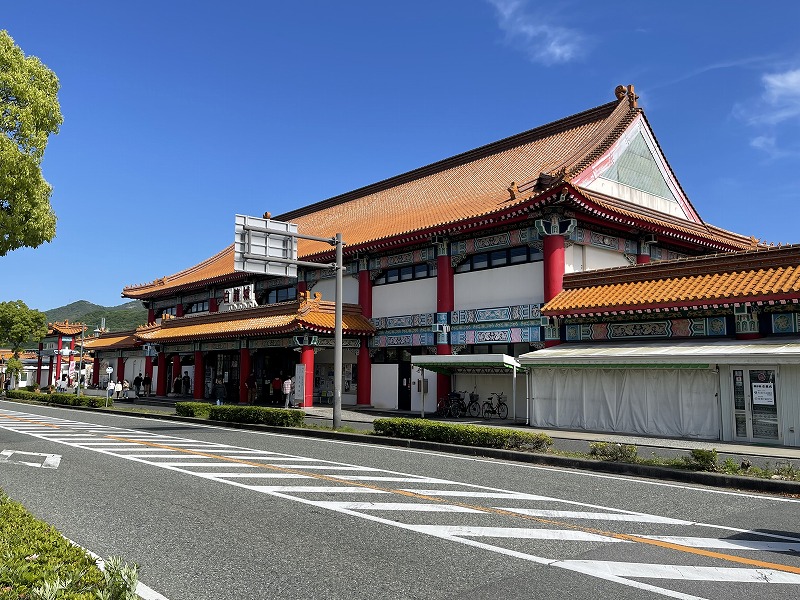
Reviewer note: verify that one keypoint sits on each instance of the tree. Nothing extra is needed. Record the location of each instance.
(29, 113)
(20, 325)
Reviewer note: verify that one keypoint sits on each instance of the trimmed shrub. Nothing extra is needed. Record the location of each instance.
(60, 399)
(702, 460)
(465, 435)
(37, 562)
(279, 417)
(614, 452)
(201, 410)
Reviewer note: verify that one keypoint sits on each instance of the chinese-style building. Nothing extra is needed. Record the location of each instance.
(456, 257)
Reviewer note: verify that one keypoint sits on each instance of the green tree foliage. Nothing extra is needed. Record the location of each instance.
(20, 325)
(29, 114)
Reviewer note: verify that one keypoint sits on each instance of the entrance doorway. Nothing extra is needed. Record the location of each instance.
(755, 404)
(404, 384)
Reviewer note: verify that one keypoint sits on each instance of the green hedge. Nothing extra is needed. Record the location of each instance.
(60, 398)
(465, 435)
(37, 562)
(279, 417)
(201, 410)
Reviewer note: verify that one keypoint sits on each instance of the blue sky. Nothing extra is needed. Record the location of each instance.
(179, 114)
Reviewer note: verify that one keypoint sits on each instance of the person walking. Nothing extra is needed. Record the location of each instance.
(252, 388)
(126, 386)
(137, 385)
(219, 392)
(288, 386)
(187, 383)
(118, 388)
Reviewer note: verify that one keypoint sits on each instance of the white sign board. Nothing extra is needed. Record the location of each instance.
(763, 393)
(299, 384)
(257, 240)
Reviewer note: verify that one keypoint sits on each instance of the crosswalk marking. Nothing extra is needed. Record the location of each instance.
(470, 494)
(318, 489)
(520, 533)
(683, 572)
(402, 506)
(704, 542)
(569, 514)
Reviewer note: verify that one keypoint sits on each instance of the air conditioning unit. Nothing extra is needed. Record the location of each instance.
(740, 310)
(545, 321)
(440, 328)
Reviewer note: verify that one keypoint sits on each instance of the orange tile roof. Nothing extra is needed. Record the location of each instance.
(437, 197)
(112, 341)
(764, 275)
(65, 328)
(303, 314)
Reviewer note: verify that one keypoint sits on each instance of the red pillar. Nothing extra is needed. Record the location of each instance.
(307, 359)
(179, 310)
(445, 303)
(212, 305)
(148, 367)
(302, 286)
(151, 315)
(244, 372)
(642, 259)
(58, 362)
(199, 376)
(96, 370)
(553, 250)
(161, 384)
(39, 366)
(364, 391)
(120, 368)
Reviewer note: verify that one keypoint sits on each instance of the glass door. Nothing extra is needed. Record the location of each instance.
(755, 404)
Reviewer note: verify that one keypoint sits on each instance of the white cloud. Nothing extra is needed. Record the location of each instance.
(541, 41)
(782, 96)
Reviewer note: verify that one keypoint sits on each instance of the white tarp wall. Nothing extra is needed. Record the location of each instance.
(669, 402)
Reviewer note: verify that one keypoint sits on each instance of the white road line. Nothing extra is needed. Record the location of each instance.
(716, 543)
(467, 494)
(324, 467)
(521, 533)
(254, 475)
(599, 516)
(201, 464)
(392, 478)
(174, 454)
(681, 572)
(402, 506)
(292, 489)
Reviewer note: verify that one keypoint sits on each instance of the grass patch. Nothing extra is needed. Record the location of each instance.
(36, 562)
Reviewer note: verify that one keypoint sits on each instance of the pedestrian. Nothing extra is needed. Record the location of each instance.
(219, 392)
(137, 385)
(277, 382)
(147, 382)
(288, 388)
(110, 389)
(126, 387)
(187, 383)
(176, 385)
(118, 388)
(252, 388)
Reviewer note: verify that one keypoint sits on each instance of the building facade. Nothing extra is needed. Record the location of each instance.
(457, 257)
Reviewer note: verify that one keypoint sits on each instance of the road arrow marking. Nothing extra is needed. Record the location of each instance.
(46, 461)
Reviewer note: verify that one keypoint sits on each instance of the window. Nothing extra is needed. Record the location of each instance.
(499, 258)
(406, 273)
(196, 307)
(283, 294)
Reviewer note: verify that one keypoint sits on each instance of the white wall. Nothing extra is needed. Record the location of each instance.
(384, 386)
(504, 286)
(430, 393)
(574, 258)
(327, 287)
(597, 258)
(404, 298)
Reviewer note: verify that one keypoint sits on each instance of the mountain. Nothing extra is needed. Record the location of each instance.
(118, 318)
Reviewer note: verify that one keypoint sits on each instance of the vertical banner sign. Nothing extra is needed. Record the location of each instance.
(299, 384)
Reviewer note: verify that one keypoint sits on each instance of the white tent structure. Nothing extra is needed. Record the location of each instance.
(727, 389)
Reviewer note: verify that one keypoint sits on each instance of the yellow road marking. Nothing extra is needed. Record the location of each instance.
(485, 509)
(30, 421)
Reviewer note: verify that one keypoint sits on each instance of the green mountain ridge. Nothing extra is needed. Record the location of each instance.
(118, 318)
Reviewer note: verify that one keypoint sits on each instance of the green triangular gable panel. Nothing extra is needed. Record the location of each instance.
(636, 167)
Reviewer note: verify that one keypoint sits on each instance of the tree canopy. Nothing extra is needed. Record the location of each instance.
(29, 114)
(20, 325)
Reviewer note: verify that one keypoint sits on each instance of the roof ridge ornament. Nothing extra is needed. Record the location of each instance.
(627, 92)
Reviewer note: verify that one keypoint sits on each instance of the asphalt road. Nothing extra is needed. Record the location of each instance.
(213, 513)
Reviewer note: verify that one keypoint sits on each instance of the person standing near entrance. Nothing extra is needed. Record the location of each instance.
(277, 382)
(147, 382)
(137, 385)
(219, 391)
(252, 388)
(288, 386)
(187, 383)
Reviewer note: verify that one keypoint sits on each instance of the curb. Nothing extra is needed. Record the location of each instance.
(719, 480)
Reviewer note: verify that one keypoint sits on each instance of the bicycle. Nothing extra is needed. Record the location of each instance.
(448, 406)
(501, 409)
(457, 405)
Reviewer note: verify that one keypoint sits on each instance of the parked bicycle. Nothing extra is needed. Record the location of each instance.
(449, 406)
(500, 408)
